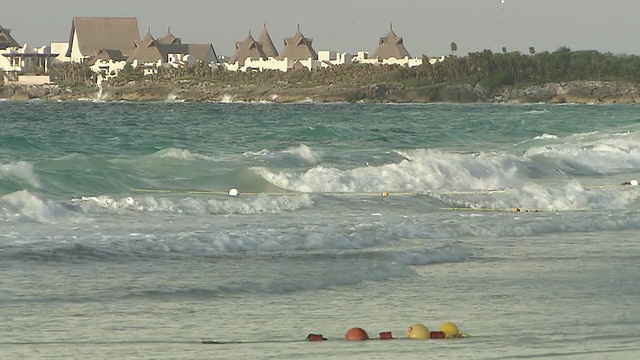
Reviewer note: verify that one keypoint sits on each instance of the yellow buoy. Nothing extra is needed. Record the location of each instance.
(450, 329)
(418, 331)
(385, 194)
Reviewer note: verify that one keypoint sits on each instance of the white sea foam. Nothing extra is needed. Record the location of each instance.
(226, 98)
(21, 170)
(174, 98)
(537, 111)
(302, 152)
(23, 206)
(306, 153)
(535, 196)
(596, 152)
(545, 136)
(254, 205)
(263, 152)
(182, 154)
(424, 170)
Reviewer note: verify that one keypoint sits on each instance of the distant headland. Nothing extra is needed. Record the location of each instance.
(577, 92)
(112, 68)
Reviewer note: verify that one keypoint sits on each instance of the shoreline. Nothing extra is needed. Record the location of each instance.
(576, 92)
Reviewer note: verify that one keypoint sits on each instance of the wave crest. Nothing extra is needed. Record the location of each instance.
(255, 205)
(21, 170)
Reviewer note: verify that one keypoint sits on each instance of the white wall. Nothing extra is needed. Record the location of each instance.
(261, 65)
(4, 63)
(391, 61)
(34, 79)
(61, 50)
(76, 55)
(108, 69)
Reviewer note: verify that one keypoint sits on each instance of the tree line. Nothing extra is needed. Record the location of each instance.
(486, 68)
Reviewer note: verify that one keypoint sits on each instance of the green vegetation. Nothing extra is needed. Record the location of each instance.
(129, 73)
(490, 70)
(494, 70)
(72, 73)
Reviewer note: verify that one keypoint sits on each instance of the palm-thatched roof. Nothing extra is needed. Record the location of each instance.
(200, 51)
(96, 33)
(6, 40)
(150, 50)
(298, 47)
(267, 45)
(146, 50)
(247, 49)
(106, 55)
(390, 46)
(169, 38)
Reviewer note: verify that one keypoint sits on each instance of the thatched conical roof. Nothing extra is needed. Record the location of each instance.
(247, 49)
(267, 45)
(6, 40)
(390, 46)
(298, 47)
(169, 38)
(146, 50)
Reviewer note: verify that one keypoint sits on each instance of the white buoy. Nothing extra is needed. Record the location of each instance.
(633, 182)
(233, 192)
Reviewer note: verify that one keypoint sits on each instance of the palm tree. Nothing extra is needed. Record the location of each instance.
(454, 47)
(532, 50)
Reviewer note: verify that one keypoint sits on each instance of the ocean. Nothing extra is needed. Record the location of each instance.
(119, 239)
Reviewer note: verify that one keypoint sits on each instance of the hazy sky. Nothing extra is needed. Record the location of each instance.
(427, 26)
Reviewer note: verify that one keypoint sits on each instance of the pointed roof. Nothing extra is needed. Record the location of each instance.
(169, 38)
(200, 51)
(6, 40)
(298, 47)
(96, 33)
(390, 46)
(247, 49)
(146, 49)
(267, 45)
(106, 55)
(151, 50)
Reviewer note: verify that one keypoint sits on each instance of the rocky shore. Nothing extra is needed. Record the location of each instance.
(581, 92)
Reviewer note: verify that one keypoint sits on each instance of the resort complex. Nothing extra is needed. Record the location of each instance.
(109, 44)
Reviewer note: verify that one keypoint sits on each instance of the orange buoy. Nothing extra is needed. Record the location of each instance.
(356, 334)
(386, 335)
(438, 335)
(315, 337)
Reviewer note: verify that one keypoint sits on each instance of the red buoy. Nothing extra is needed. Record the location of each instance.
(386, 335)
(356, 334)
(438, 335)
(315, 337)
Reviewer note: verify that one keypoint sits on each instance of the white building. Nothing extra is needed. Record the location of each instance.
(169, 50)
(298, 52)
(29, 65)
(331, 58)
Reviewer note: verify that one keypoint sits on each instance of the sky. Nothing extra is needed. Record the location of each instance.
(427, 26)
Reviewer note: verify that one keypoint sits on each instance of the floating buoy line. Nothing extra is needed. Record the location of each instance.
(234, 192)
(447, 330)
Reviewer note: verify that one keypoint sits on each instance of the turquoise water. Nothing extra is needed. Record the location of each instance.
(118, 238)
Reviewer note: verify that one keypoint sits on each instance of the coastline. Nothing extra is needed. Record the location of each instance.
(577, 92)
